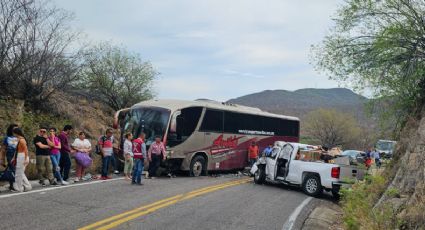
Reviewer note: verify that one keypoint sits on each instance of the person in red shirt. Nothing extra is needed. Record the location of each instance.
(253, 153)
(139, 152)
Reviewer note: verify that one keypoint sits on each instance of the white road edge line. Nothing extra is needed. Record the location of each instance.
(289, 224)
(60, 187)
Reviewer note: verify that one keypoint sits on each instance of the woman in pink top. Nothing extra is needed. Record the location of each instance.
(55, 155)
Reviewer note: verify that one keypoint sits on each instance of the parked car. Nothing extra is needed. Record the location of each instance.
(355, 156)
(288, 165)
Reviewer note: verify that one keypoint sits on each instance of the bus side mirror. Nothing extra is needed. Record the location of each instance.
(173, 125)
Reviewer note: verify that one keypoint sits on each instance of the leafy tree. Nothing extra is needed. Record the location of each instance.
(379, 44)
(34, 37)
(117, 77)
(332, 128)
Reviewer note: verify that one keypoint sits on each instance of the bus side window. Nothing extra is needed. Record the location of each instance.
(213, 121)
(185, 124)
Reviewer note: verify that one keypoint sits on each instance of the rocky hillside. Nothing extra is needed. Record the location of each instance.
(300, 102)
(409, 180)
(82, 113)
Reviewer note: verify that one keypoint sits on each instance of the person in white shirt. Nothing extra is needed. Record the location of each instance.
(82, 145)
(128, 154)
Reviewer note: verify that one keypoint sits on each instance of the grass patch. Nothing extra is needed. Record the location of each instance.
(358, 205)
(393, 193)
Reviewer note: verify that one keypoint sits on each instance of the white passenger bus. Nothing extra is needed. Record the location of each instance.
(205, 135)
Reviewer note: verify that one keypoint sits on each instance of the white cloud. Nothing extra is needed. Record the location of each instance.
(250, 44)
(230, 72)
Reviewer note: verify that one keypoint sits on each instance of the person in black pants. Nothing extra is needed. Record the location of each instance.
(155, 154)
(65, 159)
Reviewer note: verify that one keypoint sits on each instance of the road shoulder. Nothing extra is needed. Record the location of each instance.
(325, 215)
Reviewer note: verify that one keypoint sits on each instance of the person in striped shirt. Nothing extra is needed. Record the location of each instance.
(155, 154)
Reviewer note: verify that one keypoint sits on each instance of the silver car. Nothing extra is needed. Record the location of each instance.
(355, 156)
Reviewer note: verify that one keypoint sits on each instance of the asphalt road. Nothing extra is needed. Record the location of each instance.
(227, 202)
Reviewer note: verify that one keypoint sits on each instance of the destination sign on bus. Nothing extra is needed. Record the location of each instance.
(252, 132)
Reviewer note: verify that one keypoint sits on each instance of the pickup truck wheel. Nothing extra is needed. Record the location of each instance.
(197, 166)
(311, 185)
(260, 175)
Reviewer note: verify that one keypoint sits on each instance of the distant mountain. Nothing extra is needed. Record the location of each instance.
(300, 102)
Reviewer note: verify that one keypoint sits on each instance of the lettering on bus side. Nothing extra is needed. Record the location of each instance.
(230, 142)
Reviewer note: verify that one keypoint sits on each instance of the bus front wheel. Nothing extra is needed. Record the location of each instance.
(197, 166)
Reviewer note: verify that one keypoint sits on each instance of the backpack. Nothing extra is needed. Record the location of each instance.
(99, 148)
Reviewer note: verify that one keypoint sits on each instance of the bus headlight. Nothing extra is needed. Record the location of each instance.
(169, 153)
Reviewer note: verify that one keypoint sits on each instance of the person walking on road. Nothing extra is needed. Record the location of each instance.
(8, 150)
(42, 154)
(155, 154)
(106, 150)
(139, 151)
(252, 153)
(65, 151)
(128, 156)
(22, 160)
(375, 155)
(81, 146)
(55, 155)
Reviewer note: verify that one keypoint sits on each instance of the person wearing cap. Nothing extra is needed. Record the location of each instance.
(156, 152)
(42, 154)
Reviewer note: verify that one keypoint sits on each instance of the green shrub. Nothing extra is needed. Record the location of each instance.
(358, 205)
(393, 192)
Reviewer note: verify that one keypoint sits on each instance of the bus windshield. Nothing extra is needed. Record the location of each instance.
(152, 121)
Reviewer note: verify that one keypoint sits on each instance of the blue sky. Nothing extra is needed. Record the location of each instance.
(214, 49)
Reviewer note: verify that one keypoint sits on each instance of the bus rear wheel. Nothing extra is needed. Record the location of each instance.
(197, 166)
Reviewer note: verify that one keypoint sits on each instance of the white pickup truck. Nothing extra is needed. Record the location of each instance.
(285, 167)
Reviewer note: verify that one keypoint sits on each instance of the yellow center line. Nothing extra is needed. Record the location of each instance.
(150, 210)
(157, 205)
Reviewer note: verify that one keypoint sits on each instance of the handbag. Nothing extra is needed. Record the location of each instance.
(83, 159)
(8, 174)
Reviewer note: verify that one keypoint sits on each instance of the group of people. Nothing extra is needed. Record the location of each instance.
(54, 151)
(135, 155)
(254, 152)
(373, 157)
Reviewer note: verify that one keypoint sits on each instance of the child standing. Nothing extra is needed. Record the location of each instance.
(128, 154)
